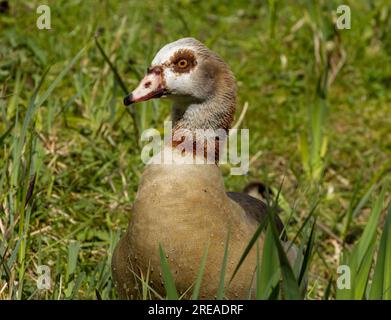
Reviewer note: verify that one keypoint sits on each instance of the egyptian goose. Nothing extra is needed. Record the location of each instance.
(184, 207)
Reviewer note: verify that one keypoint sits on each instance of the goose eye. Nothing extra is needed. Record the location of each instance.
(182, 63)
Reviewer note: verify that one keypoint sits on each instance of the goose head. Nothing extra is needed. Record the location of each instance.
(194, 78)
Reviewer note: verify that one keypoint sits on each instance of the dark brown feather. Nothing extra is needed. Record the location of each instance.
(257, 210)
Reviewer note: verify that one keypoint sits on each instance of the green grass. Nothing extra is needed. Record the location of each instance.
(319, 118)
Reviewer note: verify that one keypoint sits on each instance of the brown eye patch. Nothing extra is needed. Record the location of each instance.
(183, 61)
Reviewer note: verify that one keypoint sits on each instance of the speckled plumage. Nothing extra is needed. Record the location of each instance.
(185, 207)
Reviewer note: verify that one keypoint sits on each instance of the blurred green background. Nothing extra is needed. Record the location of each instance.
(319, 114)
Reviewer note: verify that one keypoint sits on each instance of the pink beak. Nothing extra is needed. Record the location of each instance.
(151, 86)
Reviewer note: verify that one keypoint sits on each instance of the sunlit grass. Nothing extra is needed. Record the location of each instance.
(69, 151)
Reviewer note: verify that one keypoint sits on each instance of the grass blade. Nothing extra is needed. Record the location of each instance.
(169, 282)
(370, 229)
(353, 213)
(130, 111)
(77, 285)
(220, 290)
(289, 282)
(290, 285)
(112, 67)
(327, 292)
(361, 257)
(249, 247)
(197, 285)
(269, 272)
(56, 81)
(73, 251)
(381, 282)
(307, 254)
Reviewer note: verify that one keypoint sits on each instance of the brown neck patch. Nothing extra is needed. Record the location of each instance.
(207, 146)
